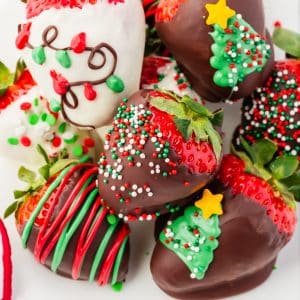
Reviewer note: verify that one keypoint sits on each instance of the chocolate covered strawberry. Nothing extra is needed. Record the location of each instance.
(160, 149)
(273, 111)
(27, 119)
(228, 241)
(222, 46)
(87, 55)
(62, 220)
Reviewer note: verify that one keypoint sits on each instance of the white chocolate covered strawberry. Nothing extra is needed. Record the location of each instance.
(28, 120)
(86, 54)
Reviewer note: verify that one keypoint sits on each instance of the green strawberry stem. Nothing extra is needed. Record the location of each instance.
(192, 119)
(52, 167)
(281, 172)
(287, 40)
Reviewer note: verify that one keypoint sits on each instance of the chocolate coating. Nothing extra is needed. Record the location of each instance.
(187, 37)
(166, 190)
(249, 245)
(65, 267)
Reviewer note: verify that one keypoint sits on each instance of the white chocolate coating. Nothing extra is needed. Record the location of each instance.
(169, 77)
(15, 124)
(122, 26)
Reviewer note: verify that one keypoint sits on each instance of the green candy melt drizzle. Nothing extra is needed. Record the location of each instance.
(238, 51)
(100, 252)
(193, 239)
(118, 262)
(72, 226)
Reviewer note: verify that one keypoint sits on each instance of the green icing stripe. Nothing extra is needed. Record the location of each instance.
(100, 252)
(118, 262)
(34, 215)
(193, 239)
(72, 226)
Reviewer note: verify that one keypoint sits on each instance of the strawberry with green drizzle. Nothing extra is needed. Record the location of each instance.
(161, 148)
(62, 220)
(256, 221)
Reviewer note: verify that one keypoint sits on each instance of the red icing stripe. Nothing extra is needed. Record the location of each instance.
(87, 236)
(110, 259)
(7, 264)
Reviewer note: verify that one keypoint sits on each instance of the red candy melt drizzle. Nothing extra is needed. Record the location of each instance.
(6, 263)
(50, 231)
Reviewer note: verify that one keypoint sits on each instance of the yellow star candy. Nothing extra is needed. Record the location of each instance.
(219, 13)
(210, 204)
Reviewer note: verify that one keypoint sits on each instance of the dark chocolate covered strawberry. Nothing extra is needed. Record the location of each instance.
(161, 148)
(222, 46)
(62, 221)
(273, 111)
(219, 248)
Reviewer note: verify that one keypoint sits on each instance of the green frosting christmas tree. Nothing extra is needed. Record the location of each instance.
(193, 236)
(238, 50)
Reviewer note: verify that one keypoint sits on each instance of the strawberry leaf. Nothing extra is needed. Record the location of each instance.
(196, 107)
(6, 79)
(26, 175)
(218, 117)
(247, 148)
(45, 172)
(284, 166)
(246, 159)
(21, 66)
(169, 106)
(295, 189)
(183, 126)
(263, 151)
(60, 165)
(42, 151)
(197, 128)
(11, 209)
(214, 138)
(20, 194)
(287, 40)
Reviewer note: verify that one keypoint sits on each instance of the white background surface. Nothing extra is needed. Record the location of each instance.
(33, 282)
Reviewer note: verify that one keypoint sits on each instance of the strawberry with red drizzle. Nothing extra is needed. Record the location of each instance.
(62, 221)
(161, 148)
(257, 219)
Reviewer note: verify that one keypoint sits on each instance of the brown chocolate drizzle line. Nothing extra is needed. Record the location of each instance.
(70, 99)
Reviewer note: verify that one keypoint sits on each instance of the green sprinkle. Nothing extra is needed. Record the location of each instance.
(117, 287)
(115, 83)
(72, 140)
(13, 141)
(55, 105)
(62, 127)
(51, 120)
(38, 55)
(77, 150)
(111, 219)
(36, 102)
(63, 58)
(33, 119)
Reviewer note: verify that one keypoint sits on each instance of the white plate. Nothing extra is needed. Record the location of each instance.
(34, 282)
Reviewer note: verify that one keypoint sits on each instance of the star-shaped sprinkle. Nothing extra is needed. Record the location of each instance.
(219, 13)
(210, 204)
